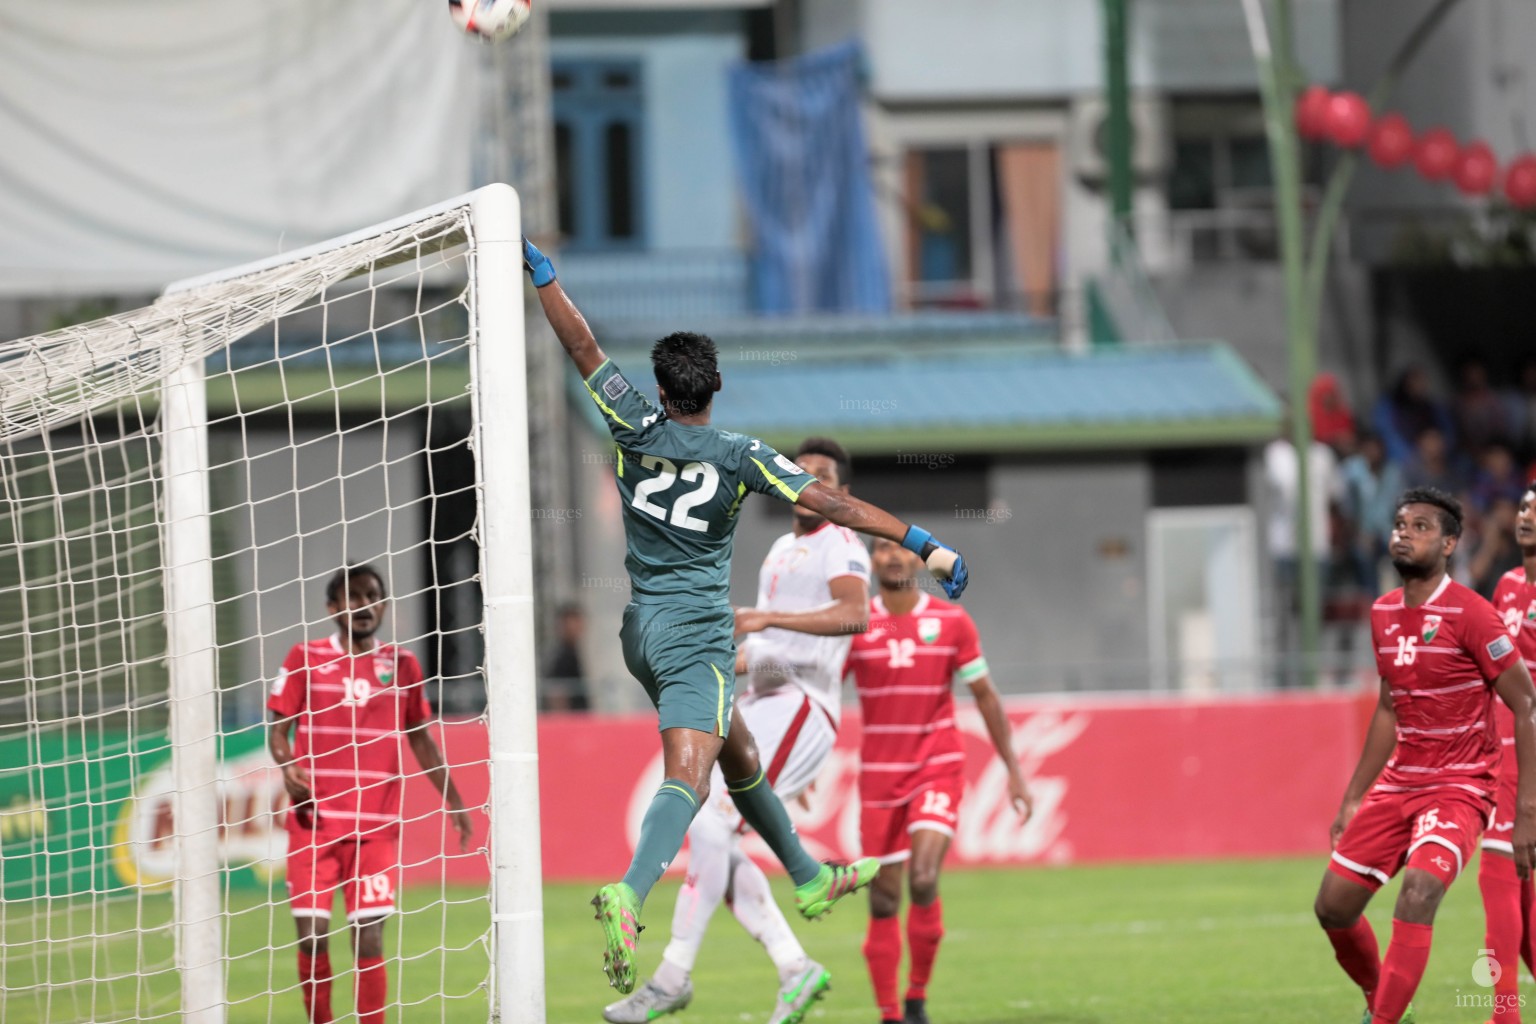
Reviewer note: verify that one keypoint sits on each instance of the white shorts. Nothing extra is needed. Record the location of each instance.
(795, 737)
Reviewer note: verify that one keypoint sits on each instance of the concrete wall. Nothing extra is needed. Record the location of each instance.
(1473, 76)
(1244, 305)
(291, 509)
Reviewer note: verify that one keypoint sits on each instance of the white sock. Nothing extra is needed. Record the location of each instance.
(710, 842)
(752, 903)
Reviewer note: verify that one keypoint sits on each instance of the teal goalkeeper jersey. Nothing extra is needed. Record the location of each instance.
(681, 488)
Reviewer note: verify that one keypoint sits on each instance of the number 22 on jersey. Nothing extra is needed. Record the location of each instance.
(703, 474)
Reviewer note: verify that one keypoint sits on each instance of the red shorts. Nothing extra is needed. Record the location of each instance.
(886, 832)
(1389, 828)
(366, 869)
(1501, 827)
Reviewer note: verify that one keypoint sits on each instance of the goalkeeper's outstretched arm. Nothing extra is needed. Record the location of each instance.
(844, 509)
(570, 326)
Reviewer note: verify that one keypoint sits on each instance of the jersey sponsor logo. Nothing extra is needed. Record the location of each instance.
(1391, 629)
(327, 669)
(1500, 647)
(928, 630)
(615, 386)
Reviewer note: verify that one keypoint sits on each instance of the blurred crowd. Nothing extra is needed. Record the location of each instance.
(1479, 444)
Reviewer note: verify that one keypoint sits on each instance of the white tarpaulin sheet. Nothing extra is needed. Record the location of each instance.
(143, 141)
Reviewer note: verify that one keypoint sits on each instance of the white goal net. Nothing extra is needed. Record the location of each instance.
(178, 484)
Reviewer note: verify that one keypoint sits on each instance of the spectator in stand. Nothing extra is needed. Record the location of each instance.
(1372, 485)
(1497, 551)
(1431, 464)
(1520, 405)
(1332, 422)
(1497, 477)
(1408, 411)
(1482, 418)
(565, 685)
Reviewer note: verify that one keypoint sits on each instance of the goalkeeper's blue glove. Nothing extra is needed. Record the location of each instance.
(537, 264)
(942, 560)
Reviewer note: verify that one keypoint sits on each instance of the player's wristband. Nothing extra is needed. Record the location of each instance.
(920, 541)
(537, 264)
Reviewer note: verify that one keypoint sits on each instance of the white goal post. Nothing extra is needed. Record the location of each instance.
(177, 483)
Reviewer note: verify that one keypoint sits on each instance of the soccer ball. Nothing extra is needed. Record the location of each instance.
(490, 20)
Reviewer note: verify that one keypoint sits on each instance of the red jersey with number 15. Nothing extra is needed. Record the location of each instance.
(904, 666)
(1439, 661)
(1515, 601)
(352, 710)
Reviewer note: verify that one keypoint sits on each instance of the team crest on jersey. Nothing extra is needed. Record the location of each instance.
(384, 668)
(928, 630)
(1431, 627)
(1530, 613)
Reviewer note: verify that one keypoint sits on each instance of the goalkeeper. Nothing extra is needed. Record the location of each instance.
(681, 483)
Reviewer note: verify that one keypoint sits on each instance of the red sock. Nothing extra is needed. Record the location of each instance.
(882, 952)
(1527, 912)
(1356, 950)
(1500, 885)
(1401, 970)
(925, 927)
(372, 988)
(315, 983)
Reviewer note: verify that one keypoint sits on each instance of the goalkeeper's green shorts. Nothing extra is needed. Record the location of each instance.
(686, 660)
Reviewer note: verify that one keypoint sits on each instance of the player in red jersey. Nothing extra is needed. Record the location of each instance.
(1507, 899)
(912, 761)
(351, 699)
(1439, 649)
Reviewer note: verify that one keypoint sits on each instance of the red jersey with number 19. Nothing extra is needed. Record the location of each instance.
(1439, 661)
(352, 710)
(904, 666)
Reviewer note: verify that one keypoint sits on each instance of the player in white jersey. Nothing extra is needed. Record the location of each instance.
(812, 596)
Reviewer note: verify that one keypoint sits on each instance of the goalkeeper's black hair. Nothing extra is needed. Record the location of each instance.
(687, 368)
(1450, 508)
(336, 589)
(832, 450)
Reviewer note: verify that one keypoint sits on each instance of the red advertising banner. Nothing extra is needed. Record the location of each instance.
(1112, 780)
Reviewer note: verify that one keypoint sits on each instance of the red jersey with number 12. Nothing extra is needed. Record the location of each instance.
(1515, 601)
(1439, 661)
(904, 666)
(352, 711)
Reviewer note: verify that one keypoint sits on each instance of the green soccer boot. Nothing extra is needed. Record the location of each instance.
(835, 881)
(618, 911)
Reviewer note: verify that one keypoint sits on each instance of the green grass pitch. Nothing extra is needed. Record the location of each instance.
(1229, 941)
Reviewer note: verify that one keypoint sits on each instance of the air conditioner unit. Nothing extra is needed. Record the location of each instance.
(1090, 134)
